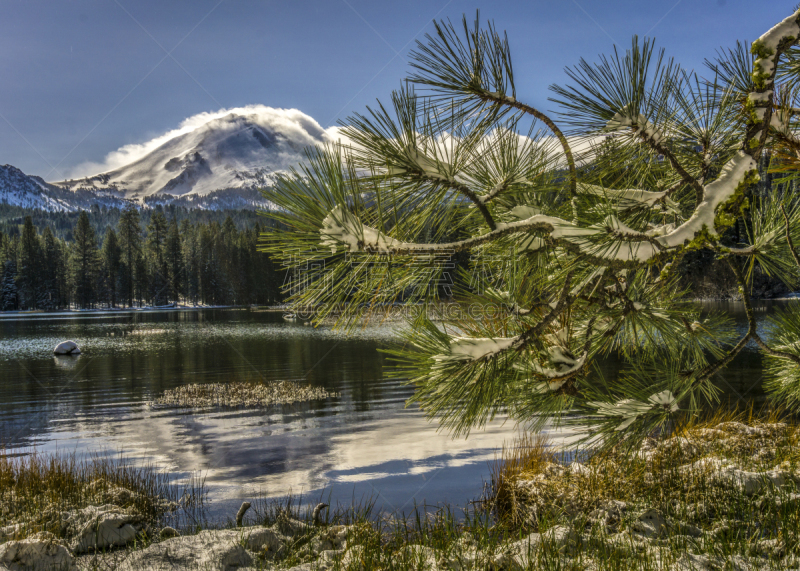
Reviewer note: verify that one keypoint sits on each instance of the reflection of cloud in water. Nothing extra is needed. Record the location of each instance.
(246, 454)
(307, 455)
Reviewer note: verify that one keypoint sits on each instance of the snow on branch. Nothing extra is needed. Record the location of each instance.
(631, 409)
(627, 198)
(735, 173)
(624, 118)
(431, 168)
(653, 137)
(474, 348)
(564, 367)
(440, 172)
(563, 364)
(766, 48)
(340, 226)
(343, 227)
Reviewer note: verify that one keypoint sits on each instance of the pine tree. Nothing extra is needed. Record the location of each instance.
(8, 289)
(129, 233)
(191, 262)
(52, 271)
(174, 261)
(112, 256)
(209, 267)
(84, 263)
(157, 259)
(220, 267)
(141, 284)
(582, 261)
(29, 277)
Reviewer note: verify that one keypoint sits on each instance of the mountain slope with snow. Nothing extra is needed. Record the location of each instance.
(237, 150)
(25, 191)
(19, 189)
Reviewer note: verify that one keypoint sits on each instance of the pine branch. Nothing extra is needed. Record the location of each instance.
(478, 201)
(789, 237)
(511, 102)
(717, 366)
(676, 165)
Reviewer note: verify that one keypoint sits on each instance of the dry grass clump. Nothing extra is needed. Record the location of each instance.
(241, 394)
(686, 475)
(36, 489)
(529, 458)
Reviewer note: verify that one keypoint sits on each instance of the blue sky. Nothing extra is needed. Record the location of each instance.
(81, 78)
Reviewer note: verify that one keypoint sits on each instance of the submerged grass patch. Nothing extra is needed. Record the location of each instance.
(242, 394)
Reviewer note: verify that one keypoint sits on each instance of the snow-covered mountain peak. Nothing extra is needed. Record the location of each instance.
(227, 150)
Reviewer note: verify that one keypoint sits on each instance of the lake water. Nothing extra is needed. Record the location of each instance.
(363, 444)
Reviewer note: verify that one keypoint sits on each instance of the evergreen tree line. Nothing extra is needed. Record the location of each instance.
(133, 264)
(61, 224)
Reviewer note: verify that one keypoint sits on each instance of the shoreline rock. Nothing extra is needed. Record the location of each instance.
(34, 554)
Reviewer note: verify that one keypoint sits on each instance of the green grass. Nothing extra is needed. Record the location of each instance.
(36, 488)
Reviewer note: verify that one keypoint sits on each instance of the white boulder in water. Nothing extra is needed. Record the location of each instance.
(67, 348)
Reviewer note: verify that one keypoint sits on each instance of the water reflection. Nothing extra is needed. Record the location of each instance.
(363, 443)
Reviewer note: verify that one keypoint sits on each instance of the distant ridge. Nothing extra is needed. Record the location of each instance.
(20, 189)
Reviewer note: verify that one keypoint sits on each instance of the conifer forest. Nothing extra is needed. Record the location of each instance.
(132, 258)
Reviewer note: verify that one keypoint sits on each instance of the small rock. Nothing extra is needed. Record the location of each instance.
(650, 524)
(67, 348)
(217, 550)
(167, 532)
(101, 527)
(35, 555)
(266, 541)
(518, 554)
